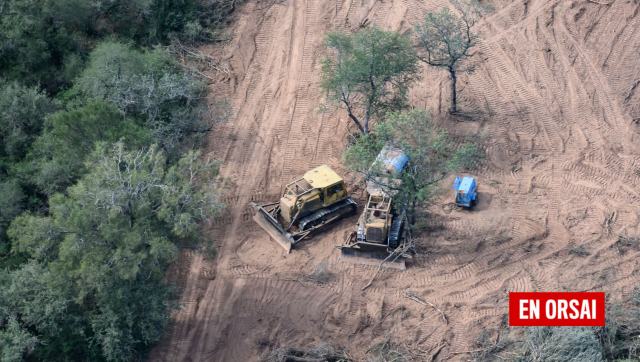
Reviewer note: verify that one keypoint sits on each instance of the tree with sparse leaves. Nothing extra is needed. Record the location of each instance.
(369, 72)
(446, 37)
(150, 86)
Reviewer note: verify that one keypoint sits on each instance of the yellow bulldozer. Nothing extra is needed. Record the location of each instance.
(380, 228)
(307, 206)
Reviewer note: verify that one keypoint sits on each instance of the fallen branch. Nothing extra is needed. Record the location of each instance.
(433, 356)
(378, 271)
(633, 88)
(194, 70)
(298, 279)
(302, 359)
(388, 314)
(397, 253)
(500, 196)
(464, 352)
(608, 223)
(209, 62)
(411, 295)
(599, 3)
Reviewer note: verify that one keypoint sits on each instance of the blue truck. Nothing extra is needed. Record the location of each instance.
(466, 191)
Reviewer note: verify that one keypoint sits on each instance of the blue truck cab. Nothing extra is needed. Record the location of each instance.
(466, 191)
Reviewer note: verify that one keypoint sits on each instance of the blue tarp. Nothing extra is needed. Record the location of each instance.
(393, 159)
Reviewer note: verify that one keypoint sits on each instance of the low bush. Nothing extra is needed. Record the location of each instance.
(560, 344)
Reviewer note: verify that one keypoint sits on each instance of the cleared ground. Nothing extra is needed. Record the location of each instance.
(554, 97)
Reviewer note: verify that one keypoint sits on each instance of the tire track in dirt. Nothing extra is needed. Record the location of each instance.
(293, 162)
(611, 111)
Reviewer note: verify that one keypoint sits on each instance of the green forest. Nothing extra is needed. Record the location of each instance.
(101, 177)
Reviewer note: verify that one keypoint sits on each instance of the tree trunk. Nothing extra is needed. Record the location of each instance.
(413, 213)
(454, 107)
(352, 116)
(366, 122)
(355, 120)
(412, 220)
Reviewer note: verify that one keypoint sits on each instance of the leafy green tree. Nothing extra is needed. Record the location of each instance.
(22, 114)
(133, 315)
(28, 301)
(124, 217)
(36, 296)
(33, 37)
(431, 155)
(110, 239)
(446, 38)
(138, 83)
(15, 341)
(149, 86)
(369, 72)
(82, 266)
(11, 206)
(58, 157)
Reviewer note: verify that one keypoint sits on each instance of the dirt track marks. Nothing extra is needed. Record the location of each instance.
(294, 163)
(561, 162)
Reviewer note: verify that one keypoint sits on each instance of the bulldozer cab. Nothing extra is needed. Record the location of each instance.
(375, 220)
(295, 190)
(330, 185)
(334, 193)
(318, 188)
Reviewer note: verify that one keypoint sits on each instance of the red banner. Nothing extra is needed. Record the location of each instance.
(556, 309)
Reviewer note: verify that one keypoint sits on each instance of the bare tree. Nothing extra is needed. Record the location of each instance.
(447, 37)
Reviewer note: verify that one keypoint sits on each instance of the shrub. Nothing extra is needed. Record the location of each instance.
(619, 336)
(560, 344)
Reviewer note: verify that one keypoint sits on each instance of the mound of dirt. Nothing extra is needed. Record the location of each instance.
(555, 97)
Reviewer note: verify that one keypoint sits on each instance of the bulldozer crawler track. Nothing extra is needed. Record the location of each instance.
(394, 233)
(344, 208)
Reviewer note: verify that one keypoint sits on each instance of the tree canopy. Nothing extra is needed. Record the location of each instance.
(22, 114)
(369, 72)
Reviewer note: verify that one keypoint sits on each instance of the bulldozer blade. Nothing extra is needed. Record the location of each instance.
(373, 258)
(272, 227)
